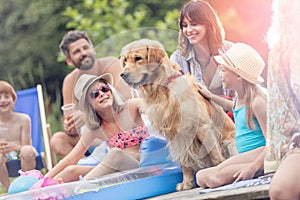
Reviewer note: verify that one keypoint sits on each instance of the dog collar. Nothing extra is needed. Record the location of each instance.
(172, 77)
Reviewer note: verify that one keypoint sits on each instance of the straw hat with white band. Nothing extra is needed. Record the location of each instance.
(243, 60)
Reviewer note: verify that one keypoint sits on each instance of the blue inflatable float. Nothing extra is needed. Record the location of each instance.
(162, 181)
(157, 175)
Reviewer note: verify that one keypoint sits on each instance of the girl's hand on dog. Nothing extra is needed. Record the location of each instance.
(204, 91)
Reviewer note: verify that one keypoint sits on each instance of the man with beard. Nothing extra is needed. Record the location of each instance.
(80, 52)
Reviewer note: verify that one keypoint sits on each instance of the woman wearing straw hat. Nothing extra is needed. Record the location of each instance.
(108, 118)
(240, 70)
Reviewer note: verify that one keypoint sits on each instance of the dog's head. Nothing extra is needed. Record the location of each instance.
(140, 60)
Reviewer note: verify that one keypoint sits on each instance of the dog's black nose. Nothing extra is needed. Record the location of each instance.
(124, 75)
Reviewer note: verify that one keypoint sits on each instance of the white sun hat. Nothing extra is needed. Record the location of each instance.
(244, 60)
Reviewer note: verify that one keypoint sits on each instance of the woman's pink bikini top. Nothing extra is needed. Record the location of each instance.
(124, 139)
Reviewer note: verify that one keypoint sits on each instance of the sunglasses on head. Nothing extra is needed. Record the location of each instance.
(95, 93)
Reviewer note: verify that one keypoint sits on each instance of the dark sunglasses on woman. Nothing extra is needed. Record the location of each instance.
(95, 93)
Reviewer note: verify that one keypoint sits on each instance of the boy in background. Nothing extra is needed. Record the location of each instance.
(15, 134)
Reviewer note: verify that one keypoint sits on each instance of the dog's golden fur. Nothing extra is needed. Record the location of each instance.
(199, 133)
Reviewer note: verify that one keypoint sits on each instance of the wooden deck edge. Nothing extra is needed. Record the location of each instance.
(253, 192)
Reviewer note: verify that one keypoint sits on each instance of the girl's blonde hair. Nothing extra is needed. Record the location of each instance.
(93, 120)
(251, 91)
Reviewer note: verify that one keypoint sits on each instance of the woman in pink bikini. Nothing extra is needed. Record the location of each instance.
(110, 119)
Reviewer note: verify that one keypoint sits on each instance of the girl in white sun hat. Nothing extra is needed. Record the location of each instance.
(110, 119)
(240, 70)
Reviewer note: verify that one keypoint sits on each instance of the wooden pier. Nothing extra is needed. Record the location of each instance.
(254, 192)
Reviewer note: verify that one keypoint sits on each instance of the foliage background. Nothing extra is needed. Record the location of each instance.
(31, 30)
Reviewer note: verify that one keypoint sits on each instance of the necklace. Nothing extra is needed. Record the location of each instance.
(201, 52)
(207, 62)
(110, 128)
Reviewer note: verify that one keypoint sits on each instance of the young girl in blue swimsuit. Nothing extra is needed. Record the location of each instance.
(240, 70)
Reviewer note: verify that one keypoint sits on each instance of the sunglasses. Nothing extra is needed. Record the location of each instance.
(95, 93)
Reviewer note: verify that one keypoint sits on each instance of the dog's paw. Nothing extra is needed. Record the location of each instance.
(184, 186)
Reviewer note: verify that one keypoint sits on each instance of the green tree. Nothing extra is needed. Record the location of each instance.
(29, 38)
(31, 31)
(111, 24)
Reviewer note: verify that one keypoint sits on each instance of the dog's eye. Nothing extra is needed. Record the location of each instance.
(137, 58)
(124, 59)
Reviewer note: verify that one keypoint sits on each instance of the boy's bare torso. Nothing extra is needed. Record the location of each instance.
(11, 130)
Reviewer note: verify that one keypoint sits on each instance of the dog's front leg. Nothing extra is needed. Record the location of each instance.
(188, 179)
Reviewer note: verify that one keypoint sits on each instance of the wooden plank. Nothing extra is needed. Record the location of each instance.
(253, 192)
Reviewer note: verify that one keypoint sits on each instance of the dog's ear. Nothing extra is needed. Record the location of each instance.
(155, 55)
(123, 61)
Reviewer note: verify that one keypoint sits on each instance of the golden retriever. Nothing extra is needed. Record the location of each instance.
(199, 132)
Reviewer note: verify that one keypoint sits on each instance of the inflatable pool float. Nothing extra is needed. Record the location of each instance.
(151, 181)
(156, 175)
(139, 183)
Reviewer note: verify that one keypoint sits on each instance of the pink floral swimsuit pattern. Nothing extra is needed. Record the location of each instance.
(129, 138)
(126, 138)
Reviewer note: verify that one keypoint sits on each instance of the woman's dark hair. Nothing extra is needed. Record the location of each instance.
(201, 12)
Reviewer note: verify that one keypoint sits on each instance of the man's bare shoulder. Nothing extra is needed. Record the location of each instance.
(71, 77)
(107, 60)
(108, 64)
(68, 86)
